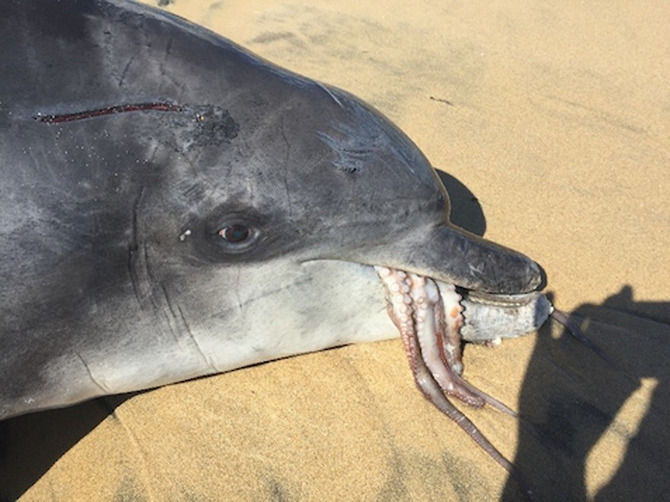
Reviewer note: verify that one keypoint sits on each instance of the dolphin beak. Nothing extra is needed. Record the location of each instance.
(454, 256)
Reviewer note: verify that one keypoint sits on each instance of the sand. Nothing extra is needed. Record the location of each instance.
(555, 121)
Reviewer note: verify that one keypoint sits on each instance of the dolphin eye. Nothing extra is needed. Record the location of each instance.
(235, 234)
(229, 233)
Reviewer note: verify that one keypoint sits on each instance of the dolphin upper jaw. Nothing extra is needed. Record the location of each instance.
(448, 254)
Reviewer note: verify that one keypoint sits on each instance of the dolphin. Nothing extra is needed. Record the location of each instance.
(173, 206)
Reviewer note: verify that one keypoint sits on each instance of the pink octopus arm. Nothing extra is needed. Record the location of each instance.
(432, 344)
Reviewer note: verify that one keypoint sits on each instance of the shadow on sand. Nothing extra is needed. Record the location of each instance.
(571, 397)
(31, 444)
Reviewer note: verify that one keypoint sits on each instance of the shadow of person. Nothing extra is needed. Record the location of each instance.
(578, 409)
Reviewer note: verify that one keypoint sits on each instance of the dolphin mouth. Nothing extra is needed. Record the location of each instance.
(423, 307)
(433, 319)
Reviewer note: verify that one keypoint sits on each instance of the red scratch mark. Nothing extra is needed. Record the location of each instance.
(110, 110)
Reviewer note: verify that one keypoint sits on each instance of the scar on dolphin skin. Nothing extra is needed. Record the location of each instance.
(109, 110)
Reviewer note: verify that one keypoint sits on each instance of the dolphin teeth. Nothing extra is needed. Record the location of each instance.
(429, 326)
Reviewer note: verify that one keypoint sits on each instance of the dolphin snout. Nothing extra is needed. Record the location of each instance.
(454, 256)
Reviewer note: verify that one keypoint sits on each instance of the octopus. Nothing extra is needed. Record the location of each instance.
(430, 318)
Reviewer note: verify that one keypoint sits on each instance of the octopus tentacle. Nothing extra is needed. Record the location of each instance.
(450, 311)
(450, 346)
(410, 306)
(426, 296)
(573, 328)
(490, 400)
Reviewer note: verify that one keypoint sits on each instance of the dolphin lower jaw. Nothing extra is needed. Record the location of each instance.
(489, 318)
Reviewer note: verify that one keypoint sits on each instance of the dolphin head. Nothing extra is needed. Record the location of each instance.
(316, 188)
(176, 206)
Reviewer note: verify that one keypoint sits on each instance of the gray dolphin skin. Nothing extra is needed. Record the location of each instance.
(173, 206)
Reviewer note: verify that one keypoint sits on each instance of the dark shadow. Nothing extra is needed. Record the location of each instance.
(466, 212)
(31, 444)
(571, 396)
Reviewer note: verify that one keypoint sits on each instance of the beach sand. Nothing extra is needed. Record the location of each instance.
(553, 122)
